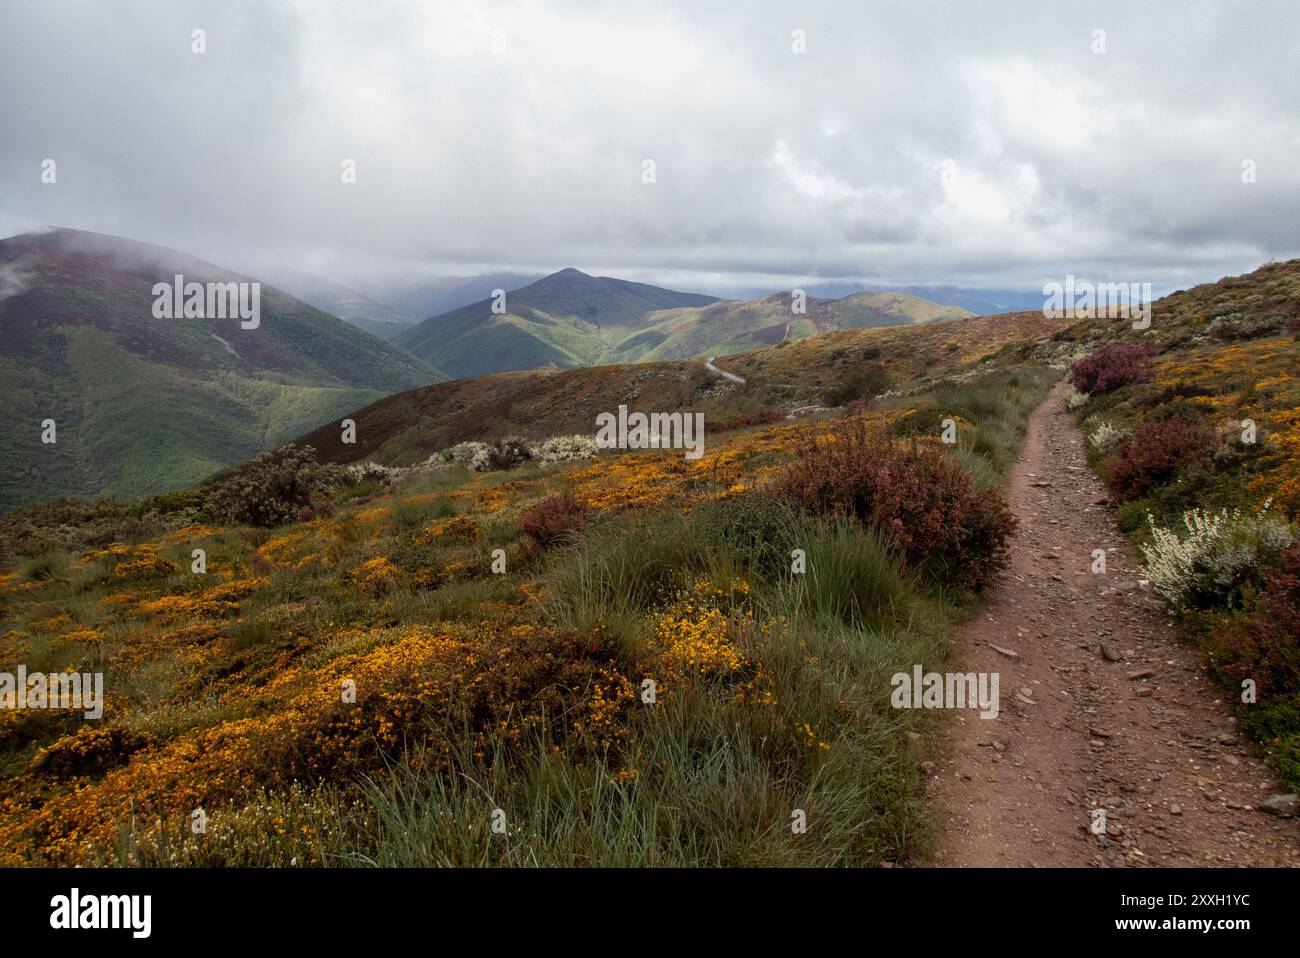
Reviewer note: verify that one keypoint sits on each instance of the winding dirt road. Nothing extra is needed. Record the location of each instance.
(1104, 705)
(708, 364)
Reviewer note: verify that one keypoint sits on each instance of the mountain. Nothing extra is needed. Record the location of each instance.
(729, 326)
(572, 319)
(565, 319)
(346, 303)
(980, 302)
(891, 338)
(144, 405)
(441, 294)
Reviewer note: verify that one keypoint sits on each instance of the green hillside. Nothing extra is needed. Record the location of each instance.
(145, 405)
(571, 319)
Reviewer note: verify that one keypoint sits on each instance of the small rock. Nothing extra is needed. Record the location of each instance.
(1284, 806)
(1111, 654)
(1142, 674)
(1175, 809)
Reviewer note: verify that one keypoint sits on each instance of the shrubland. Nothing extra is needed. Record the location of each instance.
(1200, 448)
(524, 691)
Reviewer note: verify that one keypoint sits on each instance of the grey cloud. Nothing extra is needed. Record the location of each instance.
(980, 144)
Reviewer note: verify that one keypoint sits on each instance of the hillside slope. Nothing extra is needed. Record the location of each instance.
(571, 319)
(563, 320)
(144, 405)
(404, 428)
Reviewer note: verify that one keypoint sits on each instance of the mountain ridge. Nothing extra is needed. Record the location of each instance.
(571, 318)
(142, 404)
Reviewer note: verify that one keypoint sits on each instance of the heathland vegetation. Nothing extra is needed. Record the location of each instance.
(524, 691)
(1200, 447)
(457, 642)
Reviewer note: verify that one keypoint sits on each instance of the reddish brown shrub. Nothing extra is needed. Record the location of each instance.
(1111, 367)
(1265, 646)
(554, 519)
(920, 500)
(1158, 449)
(745, 420)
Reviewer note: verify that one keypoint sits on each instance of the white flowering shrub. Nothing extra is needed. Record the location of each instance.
(361, 471)
(564, 449)
(1209, 562)
(467, 454)
(1105, 437)
(510, 452)
(1074, 399)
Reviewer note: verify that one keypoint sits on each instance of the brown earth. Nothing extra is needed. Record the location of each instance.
(1103, 703)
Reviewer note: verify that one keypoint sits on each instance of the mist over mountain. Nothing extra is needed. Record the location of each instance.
(345, 302)
(143, 404)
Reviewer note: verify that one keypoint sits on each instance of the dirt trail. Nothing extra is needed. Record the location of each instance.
(1079, 729)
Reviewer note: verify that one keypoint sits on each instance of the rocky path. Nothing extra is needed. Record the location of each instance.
(1104, 706)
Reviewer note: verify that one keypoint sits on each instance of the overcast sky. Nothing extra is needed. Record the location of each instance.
(981, 144)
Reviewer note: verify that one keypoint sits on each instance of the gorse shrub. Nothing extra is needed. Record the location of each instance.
(1216, 558)
(555, 519)
(923, 503)
(1111, 367)
(269, 490)
(1158, 450)
(91, 751)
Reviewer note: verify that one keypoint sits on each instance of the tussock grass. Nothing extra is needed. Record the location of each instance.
(712, 774)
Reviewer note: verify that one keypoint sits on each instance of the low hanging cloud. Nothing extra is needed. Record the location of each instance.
(980, 144)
